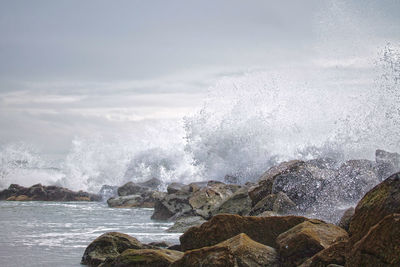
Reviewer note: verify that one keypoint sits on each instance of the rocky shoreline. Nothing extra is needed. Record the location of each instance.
(255, 224)
(371, 239)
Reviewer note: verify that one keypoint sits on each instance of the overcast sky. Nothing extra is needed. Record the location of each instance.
(71, 68)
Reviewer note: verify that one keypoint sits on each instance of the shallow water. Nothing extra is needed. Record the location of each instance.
(56, 234)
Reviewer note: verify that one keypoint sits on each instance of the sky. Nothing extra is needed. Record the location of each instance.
(74, 68)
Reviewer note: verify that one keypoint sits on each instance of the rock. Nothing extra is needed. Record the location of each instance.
(279, 203)
(267, 213)
(161, 244)
(109, 245)
(131, 188)
(382, 200)
(354, 179)
(265, 183)
(380, 246)
(205, 200)
(239, 250)
(153, 183)
(238, 203)
(306, 239)
(39, 192)
(108, 191)
(182, 224)
(224, 226)
(333, 255)
(146, 200)
(175, 247)
(174, 188)
(145, 257)
(172, 205)
(387, 163)
(229, 179)
(346, 218)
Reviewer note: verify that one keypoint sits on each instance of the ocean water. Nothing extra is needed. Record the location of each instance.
(56, 234)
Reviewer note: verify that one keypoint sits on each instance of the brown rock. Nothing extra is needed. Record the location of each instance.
(382, 200)
(334, 254)
(109, 245)
(380, 246)
(239, 250)
(224, 226)
(306, 239)
(346, 218)
(144, 257)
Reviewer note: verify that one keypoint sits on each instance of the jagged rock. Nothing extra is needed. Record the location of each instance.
(267, 213)
(354, 179)
(382, 200)
(205, 200)
(182, 224)
(333, 255)
(380, 246)
(172, 205)
(229, 179)
(265, 183)
(144, 257)
(238, 203)
(39, 192)
(109, 245)
(131, 188)
(146, 200)
(160, 244)
(346, 218)
(239, 250)
(279, 203)
(174, 188)
(387, 163)
(265, 204)
(224, 226)
(306, 239)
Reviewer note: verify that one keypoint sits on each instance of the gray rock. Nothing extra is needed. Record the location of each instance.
(387, 163)
(182, 224)
(346, 218)
(238, 203)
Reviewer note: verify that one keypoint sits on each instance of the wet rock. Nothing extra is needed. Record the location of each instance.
(238, 203)
(183, 224)
(224, 226)
(205, 200)
(145, 257)
(387, 163)
(230, 179)
(39, 192)
(145, 200)
(265, 183)
(160, 244)
(306, 239)
(346, 218)
(131, 188)
(109, 245)
(239, 250)
(174, 188)
(279, 203)
(172, 205)
(331, 256)
(175, 247)
(354, 179)
(153, 183)
(380, 246)
(267, 213)
(382, 200)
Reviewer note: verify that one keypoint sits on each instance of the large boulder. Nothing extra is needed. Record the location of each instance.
(279, 203)
(108, 191)
(146, 200)
(387, 163)
(264, 186)
(224, 226)
(109, 245)
(144, 257)
(205, 200)
(183, 224)
(172, 206)
(380, 246)
(132, 188)
(238, 203)
(382, 200)
(334, 254)
(239, 250)
(306, 239)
